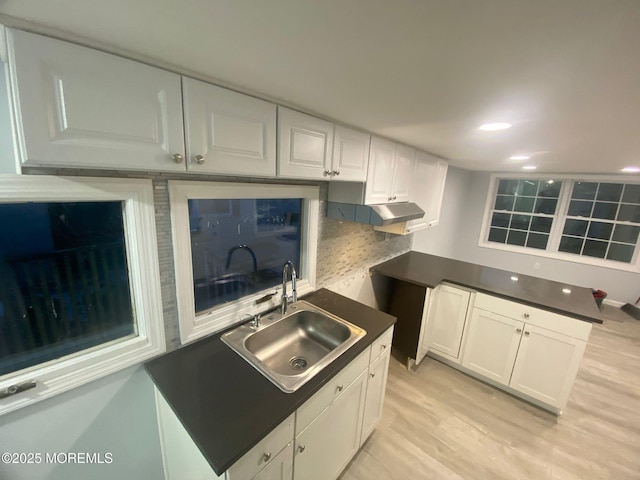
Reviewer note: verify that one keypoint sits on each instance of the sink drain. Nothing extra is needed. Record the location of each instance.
(298, 363)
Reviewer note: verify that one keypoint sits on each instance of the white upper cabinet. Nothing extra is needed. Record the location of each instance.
(390, 171)
(227, 132)
(305, 145)
(350, 155)
(427, 189)
(78, 107)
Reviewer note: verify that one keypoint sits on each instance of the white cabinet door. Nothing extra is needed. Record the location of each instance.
(325, 447)
(402, 173)
(306, 145)
(380, 173)
(280, 468)
(376, 386)
(78, 107)
(228, 132)
(491, 345)
(447, 319)
(427, 189)
(423, 339)
(546, 365)
(350, 155)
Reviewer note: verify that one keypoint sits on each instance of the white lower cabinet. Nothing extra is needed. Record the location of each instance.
(376, 386)
(280, 468)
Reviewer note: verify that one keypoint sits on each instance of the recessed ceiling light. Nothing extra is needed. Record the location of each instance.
(492, 127)
(520, 157)
(631, 169)
(529, 167)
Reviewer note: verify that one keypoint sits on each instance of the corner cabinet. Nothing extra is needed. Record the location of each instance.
(79, 107)
(305, 145)
(227, 132)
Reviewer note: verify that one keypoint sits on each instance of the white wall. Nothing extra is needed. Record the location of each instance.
(115, 414)
(458, 233)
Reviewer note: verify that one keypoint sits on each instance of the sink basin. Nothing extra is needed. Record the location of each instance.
(291, 349)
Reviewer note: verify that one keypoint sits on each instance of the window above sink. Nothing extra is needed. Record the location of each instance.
(230, 243)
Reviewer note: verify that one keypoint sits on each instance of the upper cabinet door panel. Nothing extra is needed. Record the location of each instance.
(350, 155)
(78, 107)
(380, 173)
(306, 145)
(405, 158)
(228, 132)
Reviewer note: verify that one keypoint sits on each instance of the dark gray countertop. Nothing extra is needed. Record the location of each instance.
(429, 270)
(226, 405)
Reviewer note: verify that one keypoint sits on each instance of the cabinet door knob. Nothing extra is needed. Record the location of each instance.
(266, 457)
(527, 333)
(518, 330)
(372, 375)
(336, 172)
(395, 196)
(301, 448)
(327, 173)
(177, 158)
(389, 198)
(526, 315)
(339, 388)
(199, 159)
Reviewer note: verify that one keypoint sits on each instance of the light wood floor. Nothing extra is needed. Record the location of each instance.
(439, 423)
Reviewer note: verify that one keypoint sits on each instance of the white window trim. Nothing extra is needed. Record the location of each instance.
(194, 326)
(57, 376)
(558, 224)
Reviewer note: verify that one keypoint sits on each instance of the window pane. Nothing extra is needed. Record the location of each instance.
(541, 224)
(605, 210)
(546, 205)
(571, 245)
(504, 202)
(577, 228)
(620, 253)
(629, 213)
(507, 187)
(549, 189)
(594, 248)
(516, 238)
(631, 194)
(528, 188)
(500, 220)
(524, 204)
(498, 235)
(610, 192)
(600, 230)
(580, 209)
(537, 240)
(239, 246)
(520, 222)
(584, 190)
(626, 233)
(64, 284)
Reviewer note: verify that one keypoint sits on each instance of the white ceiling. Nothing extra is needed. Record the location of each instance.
(565, 73)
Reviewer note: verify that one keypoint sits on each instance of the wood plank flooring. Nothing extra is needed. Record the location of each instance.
(439, 423)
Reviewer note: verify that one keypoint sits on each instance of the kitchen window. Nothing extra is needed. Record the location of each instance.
(231, 241)
(583, 220)
(79, 283)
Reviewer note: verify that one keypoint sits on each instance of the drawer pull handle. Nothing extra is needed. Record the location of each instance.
(372, 375)
(301, 448)
(383, 346)
(527, 333)
(339, 388)
(526, 315)
(518, 330)
(266, 457)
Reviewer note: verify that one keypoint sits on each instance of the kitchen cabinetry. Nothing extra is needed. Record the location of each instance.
(427, 189)
(389, 174)
(79, 107)
(533, 352)
(305, 145)
(227, 132)
(350, 155)
(446, 320)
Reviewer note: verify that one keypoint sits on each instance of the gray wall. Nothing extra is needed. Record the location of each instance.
(117, 413)
(459, 230)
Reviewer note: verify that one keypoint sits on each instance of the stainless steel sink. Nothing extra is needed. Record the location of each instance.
(291, 349)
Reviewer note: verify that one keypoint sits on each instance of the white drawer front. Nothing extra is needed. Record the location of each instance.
(332, 390)
(264, 451)
(381, 344)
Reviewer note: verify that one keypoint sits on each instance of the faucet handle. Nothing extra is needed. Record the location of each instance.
(253, 320)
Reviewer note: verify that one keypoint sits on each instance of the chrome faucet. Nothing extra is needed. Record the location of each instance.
(286, 268)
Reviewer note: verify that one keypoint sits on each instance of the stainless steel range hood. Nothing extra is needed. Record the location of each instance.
(377, 215)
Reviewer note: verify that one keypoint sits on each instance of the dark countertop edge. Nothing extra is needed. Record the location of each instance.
(320, 298)
(379, 269)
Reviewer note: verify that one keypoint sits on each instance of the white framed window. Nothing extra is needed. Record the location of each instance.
(79, 283)
(230, 242)
(591, 220)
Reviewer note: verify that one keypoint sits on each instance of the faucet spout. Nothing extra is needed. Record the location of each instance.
(284, 300)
